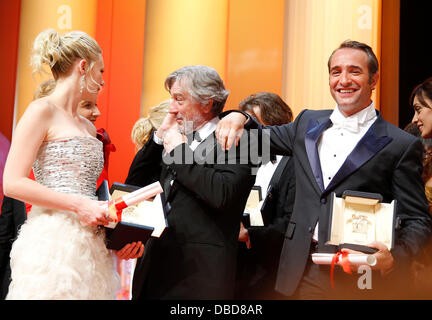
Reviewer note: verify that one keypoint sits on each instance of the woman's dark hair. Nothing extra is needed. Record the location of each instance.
(421, 91)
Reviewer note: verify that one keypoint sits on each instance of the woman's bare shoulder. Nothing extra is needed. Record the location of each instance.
(41, 107)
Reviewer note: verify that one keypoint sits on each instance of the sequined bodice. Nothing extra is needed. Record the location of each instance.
(70, 165)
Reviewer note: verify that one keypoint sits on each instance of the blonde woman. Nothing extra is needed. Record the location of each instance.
(60, 251)
(87, 108)
(145, 126)
(141, 132)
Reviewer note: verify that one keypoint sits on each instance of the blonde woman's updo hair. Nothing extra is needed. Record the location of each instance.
(59, 52)
(144, 127)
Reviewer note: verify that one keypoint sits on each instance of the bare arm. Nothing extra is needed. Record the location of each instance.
(230, 130)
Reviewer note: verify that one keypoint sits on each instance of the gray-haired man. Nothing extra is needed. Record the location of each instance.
(195, 258)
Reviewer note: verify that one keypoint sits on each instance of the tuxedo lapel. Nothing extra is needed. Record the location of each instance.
(370, 144)
(166, 178)
(313, 133)
(203, 152)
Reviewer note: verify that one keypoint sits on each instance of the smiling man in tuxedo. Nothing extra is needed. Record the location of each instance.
(349, 148)
(195, 257)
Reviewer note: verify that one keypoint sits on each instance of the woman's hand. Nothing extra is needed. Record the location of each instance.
(92, 212)
(230, 129)
(130, 251)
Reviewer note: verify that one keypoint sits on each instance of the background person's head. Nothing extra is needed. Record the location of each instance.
(421, 101)
(268, 108)
(88, 108)
(145, 126)
(427, 150)
(44, 89)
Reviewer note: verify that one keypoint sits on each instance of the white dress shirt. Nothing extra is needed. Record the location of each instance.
(338, 141)
(206, 130)
(264, 175)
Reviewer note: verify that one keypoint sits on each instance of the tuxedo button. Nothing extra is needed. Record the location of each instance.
(323, 200)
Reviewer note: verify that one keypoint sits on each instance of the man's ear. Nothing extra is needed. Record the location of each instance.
(209, 106)
(82, 66)
(374, 80)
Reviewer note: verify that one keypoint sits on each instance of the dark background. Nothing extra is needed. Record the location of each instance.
(415, 60)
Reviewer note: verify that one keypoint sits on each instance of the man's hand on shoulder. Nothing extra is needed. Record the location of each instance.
(230, 129)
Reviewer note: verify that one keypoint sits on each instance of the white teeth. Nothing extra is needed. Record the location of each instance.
(346, 91)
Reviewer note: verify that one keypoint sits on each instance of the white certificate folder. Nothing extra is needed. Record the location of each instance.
(358, 218)
(138, 222)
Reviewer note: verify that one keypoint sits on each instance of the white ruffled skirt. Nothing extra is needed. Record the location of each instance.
(55, 257)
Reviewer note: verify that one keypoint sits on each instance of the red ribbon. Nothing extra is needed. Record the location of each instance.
(119, 214)
(119, 205)
(344, 261)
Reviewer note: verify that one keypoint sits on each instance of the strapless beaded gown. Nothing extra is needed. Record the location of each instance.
(54, 256)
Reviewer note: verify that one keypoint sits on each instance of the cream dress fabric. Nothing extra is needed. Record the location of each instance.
(54, 256)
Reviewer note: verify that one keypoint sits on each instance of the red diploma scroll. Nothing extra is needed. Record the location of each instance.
(344, 261)
(115, 207)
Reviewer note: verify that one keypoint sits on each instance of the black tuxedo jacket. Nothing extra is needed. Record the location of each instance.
(257, 266)
(386, 160)
(195, 258)
(13, 215)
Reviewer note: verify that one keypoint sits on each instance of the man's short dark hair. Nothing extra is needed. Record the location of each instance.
(274, 111)
(373, 65)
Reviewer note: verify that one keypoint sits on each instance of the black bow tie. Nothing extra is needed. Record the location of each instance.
(194, 136)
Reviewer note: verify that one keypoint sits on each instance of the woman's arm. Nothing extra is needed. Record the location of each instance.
(29, 134)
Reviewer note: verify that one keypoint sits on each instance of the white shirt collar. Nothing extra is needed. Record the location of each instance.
(362, 116)
(208, 128)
